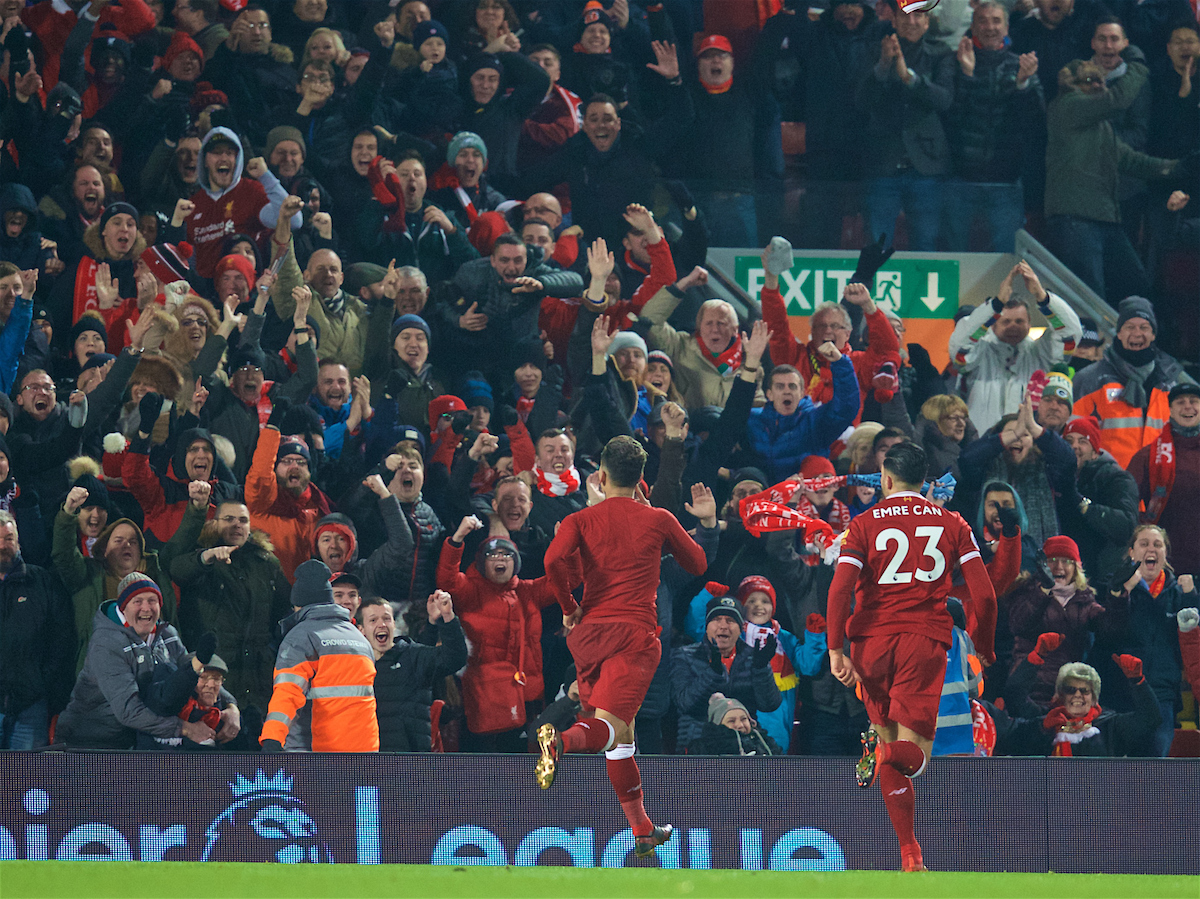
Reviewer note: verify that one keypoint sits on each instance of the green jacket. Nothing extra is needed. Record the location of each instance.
(1084, 157)
(86, 578)
(241, 603)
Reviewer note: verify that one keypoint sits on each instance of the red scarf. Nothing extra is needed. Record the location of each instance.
(551, 484)
(729, 361)
(721, 88)
(1162, 475)
(1156, 586)
(524, 407)
(820, 385)
(1068, 731)
(85, 287)
(292, 364)
(838, 521)
(263, 403)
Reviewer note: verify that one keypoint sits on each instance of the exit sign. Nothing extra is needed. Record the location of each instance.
(912, 288)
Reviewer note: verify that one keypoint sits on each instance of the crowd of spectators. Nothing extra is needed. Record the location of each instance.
(315, 315)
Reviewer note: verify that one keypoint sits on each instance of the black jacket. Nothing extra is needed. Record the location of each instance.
(693, 681)
(37, 640)
(404, 679)
(717, 739)
(1103, 532)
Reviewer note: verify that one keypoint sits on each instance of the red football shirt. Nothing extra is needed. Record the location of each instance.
(905, 549)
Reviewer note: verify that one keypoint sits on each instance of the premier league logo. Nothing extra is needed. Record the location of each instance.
(265, 823)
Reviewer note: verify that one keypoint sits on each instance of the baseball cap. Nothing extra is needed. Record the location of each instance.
(715, 42)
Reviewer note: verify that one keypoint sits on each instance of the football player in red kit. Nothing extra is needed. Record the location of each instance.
(900, 555)
(614, 632)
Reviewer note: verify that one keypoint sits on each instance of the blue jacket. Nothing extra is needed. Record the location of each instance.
(335, 425)
(784, 441)
(12, 341)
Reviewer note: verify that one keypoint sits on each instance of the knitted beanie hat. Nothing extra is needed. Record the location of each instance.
(465, 140)
(168, 262)
(720, 705)
(312, 584)
(133, 584)
(1087, 428)
(755, 583)
(1062, 548)
(1136, 307)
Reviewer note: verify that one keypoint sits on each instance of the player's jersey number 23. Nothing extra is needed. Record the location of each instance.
(894, 537)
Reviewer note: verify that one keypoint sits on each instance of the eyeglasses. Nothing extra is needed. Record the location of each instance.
(230, 519)
(192, 322)
(497, 555)
(1093, 79)
(38, 388)
(250, 368)
(1071, 691)
(258, 26)
(293, 460)
(961, 419)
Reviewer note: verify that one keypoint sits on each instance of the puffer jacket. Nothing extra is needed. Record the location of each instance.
(420, 566)
(240, 602)
(25, 250)
(504, 624)
(106, 710)
(693, 681)
(1152, 635)
(324, 700)
(404, 679)
(717, 739)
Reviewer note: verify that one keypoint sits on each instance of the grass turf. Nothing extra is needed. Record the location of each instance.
(217, 880)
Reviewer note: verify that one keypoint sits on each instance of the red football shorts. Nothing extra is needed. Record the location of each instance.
(614, 664)
(902, 677)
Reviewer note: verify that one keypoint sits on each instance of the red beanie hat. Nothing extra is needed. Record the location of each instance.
(181, 42)
(485, 229)
(1062, 548)
(238, 262)
(753, 584)
(816, 467)
(168, 262)
(440, 405)
(1087, 428)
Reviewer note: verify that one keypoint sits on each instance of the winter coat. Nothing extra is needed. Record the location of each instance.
(1152, 634)
(717, 739)
(990, 118)
(288, 521)
(388, 565)
(782, 442)
(404, 680)
(421, 564)
(240, 602)
(996, 372)
(693, 681)
(1085, 158)
(324, 671)
(89, 581)
(437, 254)
(13, 342)
(256, 85)
(106, 710)
(941, 450)
(37, 640)
(403, 396)
(25, 250)
(503, 623)
(1103, 532)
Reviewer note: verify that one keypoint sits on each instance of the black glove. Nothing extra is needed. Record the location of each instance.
(460, 421)
(271, 745)
(396, 384)
(1010, 522)
(506, 417)
(1124, 572)
(997, 306)
(680, 195)
(281, 405)
(1041, 570)
(871, 260)
(763, 654)
(302, 419)
(176, 121)
(205, 647)
(714, 659)
(148, 411)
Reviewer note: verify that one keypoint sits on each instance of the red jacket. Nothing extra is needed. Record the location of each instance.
(131, 18)
(503, 623)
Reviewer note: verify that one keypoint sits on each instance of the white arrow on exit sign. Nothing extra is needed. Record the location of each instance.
(931, 298)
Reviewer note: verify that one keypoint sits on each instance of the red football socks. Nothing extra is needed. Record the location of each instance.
(627, 783)
(906, 757)
(898, 797)
(588, 735)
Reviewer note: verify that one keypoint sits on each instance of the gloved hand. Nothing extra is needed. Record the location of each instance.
(302, 419)
(205, 647)
(149, 409)
(506, 417)
(1188, 619)
(460, 421)
(714, 659)
(1041, 570)
(680, 195)
(715, 589)
(765, 653)
(396, 384)
(871, 260)
(1131, 667)
(1010, 522)
(997, 305)
(815, 623)
(279, 410)
(1126, 570)
(176, 121)
(1046, 644)
(271, 745)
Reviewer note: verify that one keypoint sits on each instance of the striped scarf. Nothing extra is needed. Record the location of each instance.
(728, 361)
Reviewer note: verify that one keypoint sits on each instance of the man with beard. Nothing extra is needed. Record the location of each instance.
(280, 494)
(335, 543)
(37, 646)
(344, 406)
(406, 670)
(69, 211)
(233, 586)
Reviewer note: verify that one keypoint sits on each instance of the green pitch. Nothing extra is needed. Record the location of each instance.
(183, 880)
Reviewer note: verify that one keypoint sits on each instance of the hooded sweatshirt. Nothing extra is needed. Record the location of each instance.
(247, 206)
(25, 250)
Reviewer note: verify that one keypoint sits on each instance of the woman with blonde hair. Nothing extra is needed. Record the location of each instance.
(325, 44)
(943, 429)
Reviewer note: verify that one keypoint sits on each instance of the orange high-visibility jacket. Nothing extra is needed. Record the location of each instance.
(324, 696)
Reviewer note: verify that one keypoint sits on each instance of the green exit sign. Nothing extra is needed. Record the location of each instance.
(912, 288)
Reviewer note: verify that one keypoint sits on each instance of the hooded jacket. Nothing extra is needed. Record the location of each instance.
(240, 603)
(247, 206)
(163, 498)
(504, 625)
(387, 565)
(25, 250)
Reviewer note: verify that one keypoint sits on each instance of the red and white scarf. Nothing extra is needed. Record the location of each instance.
(755, 635)
(765, 512)
(551, 484)
(1070, 731)
(1162, 475)
(262, 405)
(839, 519)
(726, 362)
